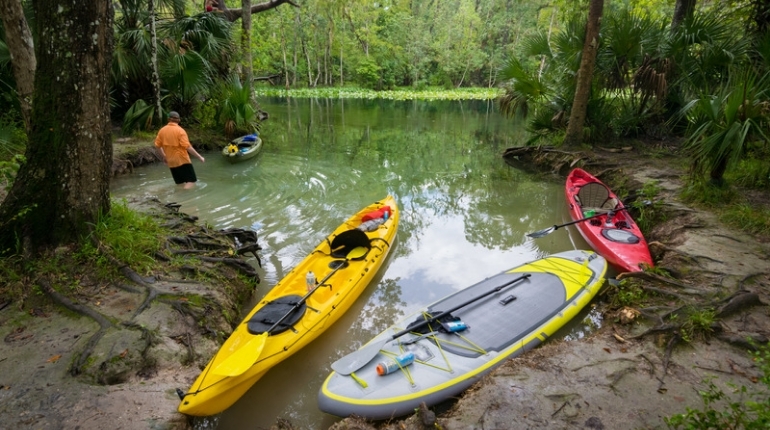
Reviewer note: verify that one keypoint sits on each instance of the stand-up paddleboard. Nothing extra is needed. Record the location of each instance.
(443, 349)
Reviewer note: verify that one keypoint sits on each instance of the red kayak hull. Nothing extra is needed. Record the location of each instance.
(621, 242)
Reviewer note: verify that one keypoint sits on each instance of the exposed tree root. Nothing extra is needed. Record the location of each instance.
(691, 257)
(205, 242)
(104, 324)
(664, 292)
(667, 359)
(738, 301)
(152, 293)
(749, 277)
(237, 263)
(653, 277)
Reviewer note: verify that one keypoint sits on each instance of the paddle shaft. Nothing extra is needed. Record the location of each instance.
(303, 299)
(358, 359)
(445, 313)
(310, 293)
(590, 217)
(242, 359)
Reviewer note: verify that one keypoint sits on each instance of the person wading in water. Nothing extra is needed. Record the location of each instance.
(175, 149)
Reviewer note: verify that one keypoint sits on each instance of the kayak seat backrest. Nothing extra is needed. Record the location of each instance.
(593, 195)
(611, 203)
(348, 240)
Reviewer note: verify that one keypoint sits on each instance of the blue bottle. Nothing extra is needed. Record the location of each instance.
(390, 366)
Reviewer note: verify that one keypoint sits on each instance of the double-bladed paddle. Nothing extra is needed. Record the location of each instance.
(545, 232)
(358, 359)
(245, 356)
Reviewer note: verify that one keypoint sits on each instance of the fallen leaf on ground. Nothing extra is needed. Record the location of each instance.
(54, 359)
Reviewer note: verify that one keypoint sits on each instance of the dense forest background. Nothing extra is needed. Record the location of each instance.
(579, 72)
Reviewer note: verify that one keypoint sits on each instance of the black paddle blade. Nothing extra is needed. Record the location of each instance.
(541, 233)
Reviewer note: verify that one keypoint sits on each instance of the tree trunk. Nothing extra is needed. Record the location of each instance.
(246, 48)
(155, 75)
(585, 75)
(760, 17)
(285, 63)
(683, 10)
(20, 44)
(63, 186)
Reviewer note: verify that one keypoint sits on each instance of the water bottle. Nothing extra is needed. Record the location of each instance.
(455, 326)
(390, 366)
(310, 279)
(371, 225)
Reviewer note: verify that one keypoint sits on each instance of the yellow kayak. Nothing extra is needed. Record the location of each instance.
(306, 302)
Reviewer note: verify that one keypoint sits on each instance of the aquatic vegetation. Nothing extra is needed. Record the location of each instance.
(398, 94)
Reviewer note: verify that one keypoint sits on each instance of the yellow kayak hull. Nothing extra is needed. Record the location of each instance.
(216, 389)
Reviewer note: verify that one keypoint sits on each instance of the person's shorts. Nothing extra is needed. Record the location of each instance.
(184, 173)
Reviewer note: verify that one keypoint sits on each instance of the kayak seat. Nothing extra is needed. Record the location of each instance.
(593, 195)
(273, 311)
(348, 240)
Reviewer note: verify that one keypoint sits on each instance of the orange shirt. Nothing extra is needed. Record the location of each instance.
(173, 139)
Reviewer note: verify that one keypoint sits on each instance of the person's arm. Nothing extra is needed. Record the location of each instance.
(192, 151)
(159, 149)
(162, 154)
(185, 142)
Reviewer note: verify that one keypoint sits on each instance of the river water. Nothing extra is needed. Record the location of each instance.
(465, 214)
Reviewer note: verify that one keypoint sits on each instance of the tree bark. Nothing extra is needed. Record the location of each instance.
(154, 61)
(585, 75)
(63, 187)
(682, 10)
(20, 44)
(233, 15)
(248, 73)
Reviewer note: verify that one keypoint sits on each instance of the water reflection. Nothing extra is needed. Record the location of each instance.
(465, 216)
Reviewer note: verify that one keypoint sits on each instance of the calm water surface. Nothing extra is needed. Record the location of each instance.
(465, 216)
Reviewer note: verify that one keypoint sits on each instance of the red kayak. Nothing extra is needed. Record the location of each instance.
(609, 229)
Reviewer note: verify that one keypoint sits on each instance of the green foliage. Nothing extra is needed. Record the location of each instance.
(722, 125)
(729, 205)
(627, 293)
(368, 74)
(192, 52)
(647, 208)
(13, 138)
(15, 278)
(140, 116)
(398, 94)
(723, 410)
(129, 236)
(697, 324)
(751, 173)
(749, 219)
(236, 113)
(8, 170)
(709, 194)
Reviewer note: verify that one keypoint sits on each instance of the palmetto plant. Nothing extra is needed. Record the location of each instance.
(721, 125)
(193, 52)
(236, 113)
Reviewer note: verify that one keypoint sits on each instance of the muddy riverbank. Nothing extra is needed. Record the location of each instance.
(628, 374)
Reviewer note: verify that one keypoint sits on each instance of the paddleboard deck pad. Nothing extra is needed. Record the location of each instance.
(490, 330)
